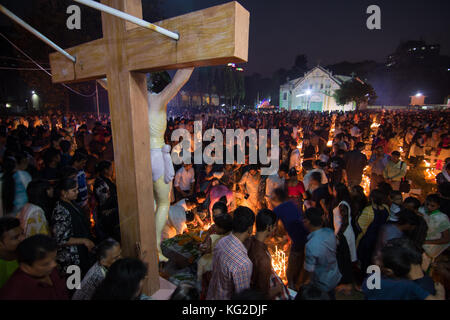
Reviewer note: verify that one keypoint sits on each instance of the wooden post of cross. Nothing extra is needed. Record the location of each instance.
(213, 36)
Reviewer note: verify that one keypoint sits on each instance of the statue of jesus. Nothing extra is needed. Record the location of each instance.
(162, 90)
(162, 166)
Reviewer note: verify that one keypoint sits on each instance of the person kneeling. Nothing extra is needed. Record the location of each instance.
(180, 215)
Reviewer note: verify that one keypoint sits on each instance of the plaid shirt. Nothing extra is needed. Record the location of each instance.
(90, 283)
(232, 269)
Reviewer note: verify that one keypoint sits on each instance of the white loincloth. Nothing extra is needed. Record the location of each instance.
(162, 164)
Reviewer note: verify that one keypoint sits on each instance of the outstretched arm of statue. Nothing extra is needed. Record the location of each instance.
(179, 80)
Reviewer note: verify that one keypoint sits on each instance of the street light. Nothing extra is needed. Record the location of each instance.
(418, 94)
(308, 93)
(34, 100)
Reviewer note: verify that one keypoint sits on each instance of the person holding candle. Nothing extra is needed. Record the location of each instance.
(264, 278)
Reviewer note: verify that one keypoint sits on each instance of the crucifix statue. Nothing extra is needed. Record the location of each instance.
(213, 36)
(161, 161)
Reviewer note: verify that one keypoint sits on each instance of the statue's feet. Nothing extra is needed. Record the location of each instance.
(162, 258)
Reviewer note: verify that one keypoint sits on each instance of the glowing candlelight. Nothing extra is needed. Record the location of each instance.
(365, 183)
(430, 174)
(279, 262)
(91, 219)
(206, 226)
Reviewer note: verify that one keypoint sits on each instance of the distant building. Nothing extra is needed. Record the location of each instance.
(417, 100)
(187, 98)
(314, 92)
(412, 52)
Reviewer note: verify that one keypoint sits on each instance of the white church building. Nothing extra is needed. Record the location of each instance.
(314, 92)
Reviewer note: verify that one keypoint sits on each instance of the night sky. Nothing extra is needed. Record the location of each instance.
(330, 31)
(326, 31)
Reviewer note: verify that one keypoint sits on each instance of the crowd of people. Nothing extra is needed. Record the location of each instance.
(59, 208)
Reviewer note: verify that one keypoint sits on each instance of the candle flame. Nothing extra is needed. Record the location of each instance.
(206, 226)
(279, 261)
(365, 183)
(91, 219)
(430, 174)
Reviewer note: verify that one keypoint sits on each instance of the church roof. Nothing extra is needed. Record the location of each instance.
(339, 79)
(342, 78)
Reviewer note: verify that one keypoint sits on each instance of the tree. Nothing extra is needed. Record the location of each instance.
(219, 81)
(299, 68)
(279, 78)
(212, 88)
(240, 83)
(230, 88)
(355, 90)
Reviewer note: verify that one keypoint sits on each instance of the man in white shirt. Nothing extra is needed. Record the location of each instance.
(309, 171)
(295, 159)
(180, 215)
(249, 186)
(275, 181)
(184, 181)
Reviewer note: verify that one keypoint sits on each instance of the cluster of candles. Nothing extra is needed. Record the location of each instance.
(430, 173)
(279, 262)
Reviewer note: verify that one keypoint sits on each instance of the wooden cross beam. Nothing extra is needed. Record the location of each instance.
(213, 36)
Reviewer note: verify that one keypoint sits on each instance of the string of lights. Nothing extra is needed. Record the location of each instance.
(43, 69)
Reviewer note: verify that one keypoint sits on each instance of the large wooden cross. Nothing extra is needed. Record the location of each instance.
(213, 36)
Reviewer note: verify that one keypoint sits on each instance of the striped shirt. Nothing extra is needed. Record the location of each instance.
(232, 269)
